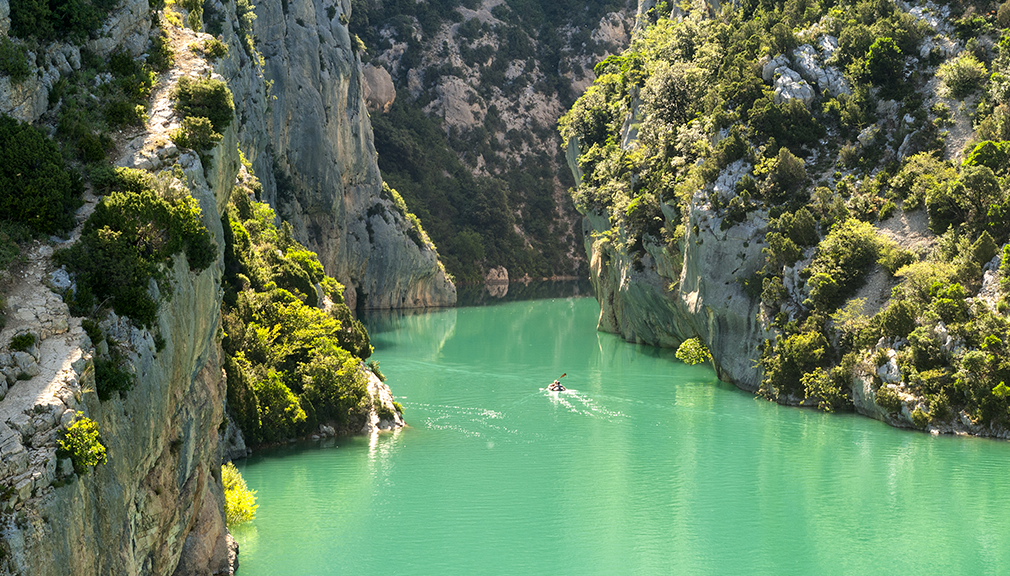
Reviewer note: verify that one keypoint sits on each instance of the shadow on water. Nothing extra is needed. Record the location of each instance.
(488, 295)
(439, 323)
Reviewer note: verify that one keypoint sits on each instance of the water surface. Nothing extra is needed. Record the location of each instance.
(646, 466)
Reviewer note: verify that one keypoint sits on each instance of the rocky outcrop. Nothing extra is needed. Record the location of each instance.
(380, 93)
(677, 292)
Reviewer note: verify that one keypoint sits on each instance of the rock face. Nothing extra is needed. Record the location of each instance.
(379, 90)
(156, 506)
(310, 143)
(678, 292)
(157, 503)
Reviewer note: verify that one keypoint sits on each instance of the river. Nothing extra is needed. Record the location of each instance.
(645, 466)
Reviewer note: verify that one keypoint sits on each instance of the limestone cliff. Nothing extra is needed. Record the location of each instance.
(156, 506)
(304, 125)
(682, 290)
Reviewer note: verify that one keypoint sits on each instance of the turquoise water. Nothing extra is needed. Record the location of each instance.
(646, 466)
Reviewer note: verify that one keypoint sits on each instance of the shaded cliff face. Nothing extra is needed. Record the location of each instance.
(310, 142)
(682, 290)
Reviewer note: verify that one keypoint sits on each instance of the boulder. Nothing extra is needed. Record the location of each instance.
(378, 88)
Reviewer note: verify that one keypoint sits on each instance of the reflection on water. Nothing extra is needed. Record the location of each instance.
(644, 466)
(485, 294)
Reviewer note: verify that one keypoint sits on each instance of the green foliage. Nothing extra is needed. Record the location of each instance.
(211, 48)
(239, 501)
(373, 365)
(884, 62)
(993, 155)
(160, 57)
(897, 318)
(132, 232)
(35, 186)
(841, 262)
(13, 60)
(207, 98)
(693, 351)
(789, 358)
(22, 342)
(291, 362)
(46, 20)
(111, 378)
(196, 133)
(828, 387)
(887, 398)
(962, 76)
(82, 442)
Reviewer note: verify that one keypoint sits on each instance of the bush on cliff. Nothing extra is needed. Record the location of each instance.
(35, 186)
(239, 501)
(133, 231)
(82, 443)
(293, 361)
(207, 98)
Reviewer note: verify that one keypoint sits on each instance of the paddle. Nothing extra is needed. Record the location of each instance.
(558, 381)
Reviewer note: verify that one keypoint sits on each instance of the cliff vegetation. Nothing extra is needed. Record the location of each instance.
(294, 351)
(862, 145)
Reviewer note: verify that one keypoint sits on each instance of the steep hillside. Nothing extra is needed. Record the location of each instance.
(816, 194)
(469, 140)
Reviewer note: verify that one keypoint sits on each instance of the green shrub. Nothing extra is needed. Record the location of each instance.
(35, 187)
(1003, 15)
(888, 399)
(128, 237)
(822, 386)
(211, 48)
(82, 442)
(884, 62)
(22, 342)
(897, 318)
(692, 351)
(919, 418)
(841, 262)
(373, 365)
(111, 378)
(962, 76)
(207, 98)
(994, 155)
(57, 19)
(13, 60)
(893, 257)
(196, 133)
(239, 501)
(160, 57)
(886, 211)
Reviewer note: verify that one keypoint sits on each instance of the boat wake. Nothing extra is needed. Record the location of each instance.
(474, 422)
(574, 401)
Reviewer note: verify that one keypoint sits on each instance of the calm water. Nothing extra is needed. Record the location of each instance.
(646, 467)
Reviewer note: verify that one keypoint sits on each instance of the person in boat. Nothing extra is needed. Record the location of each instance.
(556, 386)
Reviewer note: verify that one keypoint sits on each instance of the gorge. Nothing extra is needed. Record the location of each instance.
(812, 195)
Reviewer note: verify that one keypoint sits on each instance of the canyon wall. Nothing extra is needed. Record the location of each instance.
(156, 507)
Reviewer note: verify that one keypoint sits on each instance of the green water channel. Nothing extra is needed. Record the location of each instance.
(646, 466)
